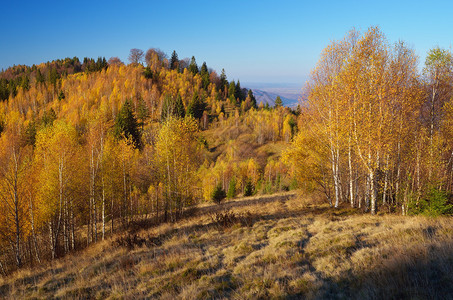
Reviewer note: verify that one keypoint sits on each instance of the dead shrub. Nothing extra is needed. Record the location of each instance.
(229, 218)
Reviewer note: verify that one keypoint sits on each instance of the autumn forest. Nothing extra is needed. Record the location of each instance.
(90, 148)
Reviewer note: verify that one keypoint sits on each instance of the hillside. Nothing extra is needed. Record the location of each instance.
(83, 145)
(259, 247)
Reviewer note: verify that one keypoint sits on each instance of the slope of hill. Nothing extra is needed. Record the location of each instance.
(266, 247)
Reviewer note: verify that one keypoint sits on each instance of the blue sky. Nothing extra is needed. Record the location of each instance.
(254, 41)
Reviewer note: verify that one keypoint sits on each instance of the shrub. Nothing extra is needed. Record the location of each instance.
(433, 204)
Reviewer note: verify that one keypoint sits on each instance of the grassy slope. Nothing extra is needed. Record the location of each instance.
(281, 248)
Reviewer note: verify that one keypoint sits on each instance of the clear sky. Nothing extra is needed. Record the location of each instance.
(254, 41)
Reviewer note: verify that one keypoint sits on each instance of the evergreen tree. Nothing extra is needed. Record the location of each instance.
(232, 92)
(179, 107)
(205, 75)
(193, 68)
(278, 102)
(218, 194)
(172, 107)
(25, 83)
(4, 91)
(223, 80)
(39, 77)
(142, 112)
(174, 61)
(53, 76)
(148, 73)
(238, 91)
(196, 107)
(204, 69)
(232, 188)
(248, 190)
(126, 125)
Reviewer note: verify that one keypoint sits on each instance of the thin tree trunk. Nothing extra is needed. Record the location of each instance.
(351, 179)
(16, 221)
(65, 236)
(103, 209)
(52, 243)
(72, 227)
(33, 232)
(372, 193)
(386, 177)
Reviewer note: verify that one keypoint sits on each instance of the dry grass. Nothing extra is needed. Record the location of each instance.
(285, 249)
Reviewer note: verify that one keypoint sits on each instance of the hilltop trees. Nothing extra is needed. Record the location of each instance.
(89, 148)
(174, 61)
(135, 56)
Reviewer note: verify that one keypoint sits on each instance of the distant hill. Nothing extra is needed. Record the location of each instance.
(268, 92)
(269, 97)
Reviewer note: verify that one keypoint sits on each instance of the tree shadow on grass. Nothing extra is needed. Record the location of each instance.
(409, 274)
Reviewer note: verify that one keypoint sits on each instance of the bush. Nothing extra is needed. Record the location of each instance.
(218, 194)
(229, 218)
(434, 203)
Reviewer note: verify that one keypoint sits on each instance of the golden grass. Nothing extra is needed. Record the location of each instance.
(289, 250)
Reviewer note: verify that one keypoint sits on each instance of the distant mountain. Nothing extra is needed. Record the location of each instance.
(290, 100)
(268, 92)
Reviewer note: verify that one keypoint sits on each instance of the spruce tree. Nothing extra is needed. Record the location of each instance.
(172, 107)
(218, 194)
(278, 102)
(196, 107)
(179, 107)
(174, 61)
(238, 91)
(232, 189)
(205, 76)
(223, 80)
(193, 68)
(248, 190)
(126, 125)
